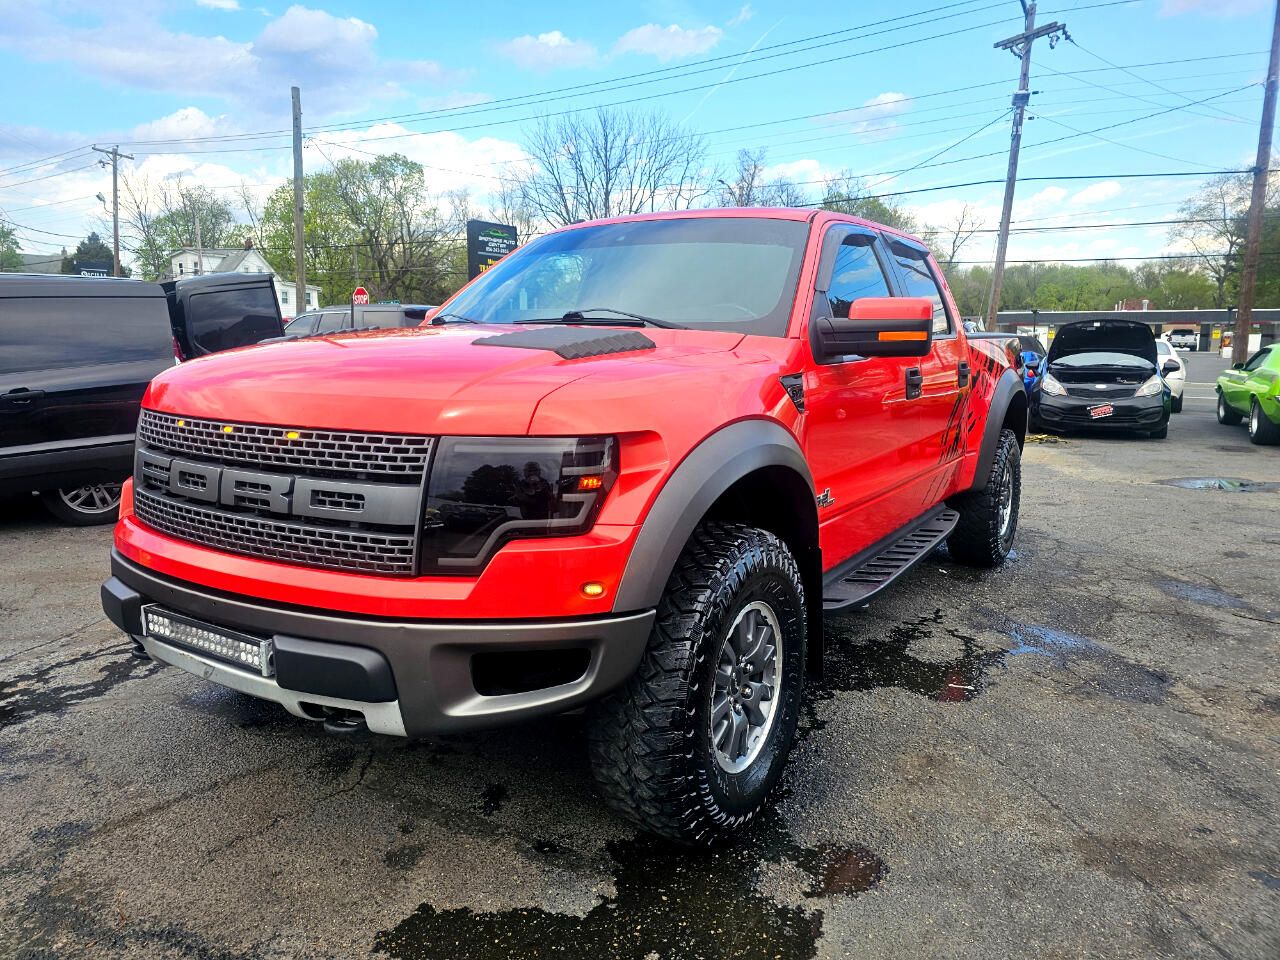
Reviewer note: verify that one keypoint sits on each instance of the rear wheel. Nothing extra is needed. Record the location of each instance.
(86, 506)
(692, 745)
(1261, 430)
(1225, 413)
(989, 517)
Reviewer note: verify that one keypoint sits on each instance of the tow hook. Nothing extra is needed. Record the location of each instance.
(138, 651)
(344, 722)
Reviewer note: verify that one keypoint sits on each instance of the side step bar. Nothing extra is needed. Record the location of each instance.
(854, 583)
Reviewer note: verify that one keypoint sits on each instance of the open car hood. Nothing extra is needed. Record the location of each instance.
(1105, 336)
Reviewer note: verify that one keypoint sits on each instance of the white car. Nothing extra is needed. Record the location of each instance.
(1177, 379)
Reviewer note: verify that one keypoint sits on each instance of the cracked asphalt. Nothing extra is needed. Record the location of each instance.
(1075, 756)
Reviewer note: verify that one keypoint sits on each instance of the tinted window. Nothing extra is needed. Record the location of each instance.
(301, 326)
(918, 281)
(710, 273)
(222, 319)
(53, 332)
(1257, 360)
(856, 273)
(331, 321)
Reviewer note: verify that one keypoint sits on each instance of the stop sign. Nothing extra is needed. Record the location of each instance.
(360, 297)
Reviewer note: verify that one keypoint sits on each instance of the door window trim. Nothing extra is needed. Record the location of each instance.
(927, 259)
(832, 240)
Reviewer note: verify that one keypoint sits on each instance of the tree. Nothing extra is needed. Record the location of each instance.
(948, 240)
(750, 187)
(844, 194)
(91, 253)
(10, 258)
(1215, 234)
(606, 163)
(159, 218)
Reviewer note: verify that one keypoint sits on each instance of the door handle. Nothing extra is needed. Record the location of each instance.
(21, 396)
(915, 383)
(962, 374)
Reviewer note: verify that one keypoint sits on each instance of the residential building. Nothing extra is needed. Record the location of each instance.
(246, 259)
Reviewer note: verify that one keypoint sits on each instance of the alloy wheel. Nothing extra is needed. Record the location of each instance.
(91, 498)
(744, 697)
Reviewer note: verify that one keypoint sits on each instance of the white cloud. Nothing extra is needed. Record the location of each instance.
(668, 43)
(875, 118)
(1097, 193)
(219, 4)
(302, 32)
(548, 51)
(186, 122)
(744, 14)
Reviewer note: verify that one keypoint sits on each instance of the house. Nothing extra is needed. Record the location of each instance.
(246, 259)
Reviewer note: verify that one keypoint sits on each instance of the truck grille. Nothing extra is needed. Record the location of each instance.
(317, 498)
(391, 456)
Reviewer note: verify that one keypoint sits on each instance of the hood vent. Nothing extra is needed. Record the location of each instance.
(572, 343)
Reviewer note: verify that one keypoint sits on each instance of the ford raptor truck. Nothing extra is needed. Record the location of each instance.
(632, 467)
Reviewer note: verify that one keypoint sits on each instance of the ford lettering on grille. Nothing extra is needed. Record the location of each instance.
(312, 506)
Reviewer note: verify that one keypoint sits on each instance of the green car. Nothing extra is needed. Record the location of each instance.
(1252, 389)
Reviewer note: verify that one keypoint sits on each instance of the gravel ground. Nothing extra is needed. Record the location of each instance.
(1075, 756)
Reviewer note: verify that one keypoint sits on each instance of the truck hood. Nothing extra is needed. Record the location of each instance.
(427, 380)
(1104, 336)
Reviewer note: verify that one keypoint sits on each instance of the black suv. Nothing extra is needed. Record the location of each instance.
(76, 354)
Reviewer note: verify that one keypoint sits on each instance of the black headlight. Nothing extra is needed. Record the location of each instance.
(484, 491)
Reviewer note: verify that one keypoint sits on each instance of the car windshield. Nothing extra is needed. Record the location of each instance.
(1101, 359)
(1163, 348)
(710, 273)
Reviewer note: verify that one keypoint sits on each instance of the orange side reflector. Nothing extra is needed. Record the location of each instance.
(903, 335)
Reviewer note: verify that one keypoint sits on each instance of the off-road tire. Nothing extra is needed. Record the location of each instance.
(981, 538)
(1175, 404)
(93, 514)
(1225, 413)
(1261, 430)
(650, 741)
(1161, 432)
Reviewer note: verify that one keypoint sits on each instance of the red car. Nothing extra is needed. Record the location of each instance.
(631, 467)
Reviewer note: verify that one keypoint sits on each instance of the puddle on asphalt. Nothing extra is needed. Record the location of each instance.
(1097, 669)
(38, 692)
(1199, 593)
(669, 902)
(1229, 484)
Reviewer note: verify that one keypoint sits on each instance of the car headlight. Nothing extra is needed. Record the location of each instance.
(1152, 388)
(1050, 385)
(486, 491)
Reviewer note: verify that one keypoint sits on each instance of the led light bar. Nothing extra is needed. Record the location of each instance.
(249, 653)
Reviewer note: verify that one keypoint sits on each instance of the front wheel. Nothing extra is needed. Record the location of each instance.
(989, 517)
(1225, 413)
(1261, 430)
(1161, 433)
(1175, 405)
(692, 745)
(86, 506)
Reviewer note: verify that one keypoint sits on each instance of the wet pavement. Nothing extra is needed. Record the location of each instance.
(1076, 756)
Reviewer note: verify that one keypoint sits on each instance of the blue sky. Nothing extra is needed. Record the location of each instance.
(81, 73)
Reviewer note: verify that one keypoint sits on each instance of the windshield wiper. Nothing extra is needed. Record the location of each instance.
(621, 319)
(439, 319)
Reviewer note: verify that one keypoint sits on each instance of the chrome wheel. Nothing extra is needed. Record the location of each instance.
(91, 498)
(1004, 503)
(745, 694)
(1254, 426)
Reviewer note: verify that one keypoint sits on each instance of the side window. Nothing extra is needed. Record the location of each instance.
(856, 273)
(331, 322)
(1257, 360)
(918, 281)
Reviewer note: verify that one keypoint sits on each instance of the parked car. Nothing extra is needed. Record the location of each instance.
(76, 354)
(1104, 374)
(631, 467)
(1252, 389)
(1175, 376)
(371, 316)
(1033, 354)
(1184, 338)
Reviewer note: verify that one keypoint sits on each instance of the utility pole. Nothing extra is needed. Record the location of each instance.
(299, 264)
(115, 155)
(195, 218)
(1257, 202)
(1019, 46)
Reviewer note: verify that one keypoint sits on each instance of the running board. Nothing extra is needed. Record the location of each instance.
(854, 583)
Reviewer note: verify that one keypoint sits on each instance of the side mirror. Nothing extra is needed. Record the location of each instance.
(877, 327)
(1237, 366)
(1170, 366)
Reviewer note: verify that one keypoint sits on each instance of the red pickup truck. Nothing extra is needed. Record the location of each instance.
(631, 467)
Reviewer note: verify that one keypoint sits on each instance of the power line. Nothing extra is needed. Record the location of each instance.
(48, 176)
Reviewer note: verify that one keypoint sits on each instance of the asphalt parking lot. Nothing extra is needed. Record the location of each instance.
(1075, 756)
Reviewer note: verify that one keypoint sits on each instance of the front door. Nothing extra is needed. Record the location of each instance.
(861, 424)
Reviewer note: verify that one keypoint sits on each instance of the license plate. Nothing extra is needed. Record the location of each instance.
(1101, 410)
(206, 639)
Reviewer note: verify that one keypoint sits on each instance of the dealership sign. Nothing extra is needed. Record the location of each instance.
(487, 243)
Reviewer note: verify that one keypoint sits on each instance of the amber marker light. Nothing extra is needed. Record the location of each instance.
(228, 428)
(593, 590)
(293, 434)
(182, 423)
(587, 484)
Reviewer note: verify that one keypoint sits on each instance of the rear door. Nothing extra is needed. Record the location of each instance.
(221, 311)
(860, 424)
(73, 368)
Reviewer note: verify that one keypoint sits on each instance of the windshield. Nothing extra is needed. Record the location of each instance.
(1101, 359)
(710, 273)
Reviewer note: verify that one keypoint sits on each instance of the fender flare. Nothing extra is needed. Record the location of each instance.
(693, 487)
(1007, 387)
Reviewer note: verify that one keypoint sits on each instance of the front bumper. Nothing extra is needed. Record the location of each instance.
(337, 661)
(1072, 413)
